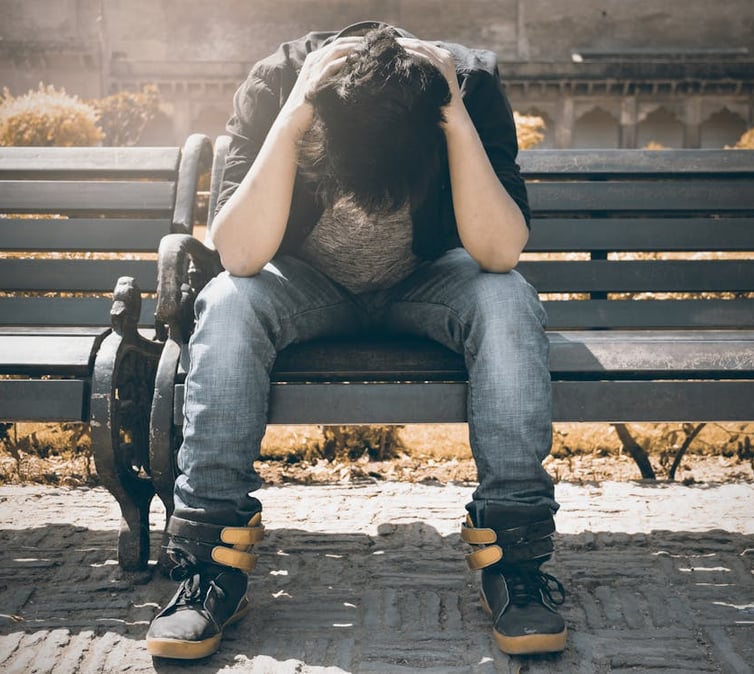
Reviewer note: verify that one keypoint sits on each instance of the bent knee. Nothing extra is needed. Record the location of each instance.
(234, 295)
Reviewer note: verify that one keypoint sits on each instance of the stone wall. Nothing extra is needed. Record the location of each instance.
(197, 51)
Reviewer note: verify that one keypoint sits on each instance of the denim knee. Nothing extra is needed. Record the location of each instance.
(234, 298)
(502, 300)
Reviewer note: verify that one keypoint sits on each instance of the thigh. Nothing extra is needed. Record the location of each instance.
(290, 300)
(445, 298)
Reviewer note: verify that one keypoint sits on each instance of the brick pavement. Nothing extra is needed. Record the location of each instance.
(371, 579)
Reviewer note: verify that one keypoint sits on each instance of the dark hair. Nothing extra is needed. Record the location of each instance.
(376, 135)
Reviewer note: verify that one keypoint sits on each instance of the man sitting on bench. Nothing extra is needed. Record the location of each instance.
(371, 185)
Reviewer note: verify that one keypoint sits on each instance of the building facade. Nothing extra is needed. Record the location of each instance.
(601, 73)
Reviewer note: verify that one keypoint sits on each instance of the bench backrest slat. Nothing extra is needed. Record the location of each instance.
(83, 234)
(75, 275)
(642, 239)
(641, 234)
(75, 197)
(76, 163)
(647, 313)
(665, 276)
(72, 220)
(584, 164)
(90, 310)
(705, 196)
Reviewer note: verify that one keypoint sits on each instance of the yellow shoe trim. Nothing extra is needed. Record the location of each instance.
(242, 535)
(478, 536)
(179, 649)
(235, 558)
(531, 643)
(484, 557)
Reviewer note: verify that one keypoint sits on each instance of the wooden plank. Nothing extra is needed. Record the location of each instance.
(75, 275)
(62, 311)
(628, 162)
(616, 314)
(574, 354)
(83, 234)
(58, 355)
(664, 354)
(583, 354)
(641, 234)
(58, 163)
(640, 275)
(74, 197)
(624, 401)
(446, 402)
(43, 400)
(402, 358)
(623, 196)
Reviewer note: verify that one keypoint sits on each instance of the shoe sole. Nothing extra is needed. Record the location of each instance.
(527, 644)
(180, 649)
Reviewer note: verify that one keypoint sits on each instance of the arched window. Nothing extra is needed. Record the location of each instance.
(596, 128)
(660, 128)
(722, 128)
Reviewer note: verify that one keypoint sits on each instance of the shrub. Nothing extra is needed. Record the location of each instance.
(745, 142)
(124, 115)
(347, 443)
(530, 130)
(47, 116)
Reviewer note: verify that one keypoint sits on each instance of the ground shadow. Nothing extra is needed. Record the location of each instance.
(401, 600)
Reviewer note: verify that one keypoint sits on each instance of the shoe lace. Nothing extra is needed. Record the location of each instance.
(194, 584)
(532, 585)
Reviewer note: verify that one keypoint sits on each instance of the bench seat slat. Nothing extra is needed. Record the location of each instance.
(55, 163)
(640, 275)
(75, 197)
(641, 234)
(705, 196)
(54, 355)
(61, 311)
(43, 400)
(75, 275)
(83, 234)
(594, 354)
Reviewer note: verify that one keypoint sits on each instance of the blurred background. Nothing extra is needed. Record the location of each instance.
(597, 73)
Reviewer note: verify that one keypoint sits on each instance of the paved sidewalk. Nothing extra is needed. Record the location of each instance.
(371, 579)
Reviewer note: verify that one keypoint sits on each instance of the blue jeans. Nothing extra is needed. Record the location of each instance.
(495, 320)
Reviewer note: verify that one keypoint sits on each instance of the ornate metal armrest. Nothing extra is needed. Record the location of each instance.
(184, 267)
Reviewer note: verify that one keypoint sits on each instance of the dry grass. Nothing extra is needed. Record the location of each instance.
(61, 454)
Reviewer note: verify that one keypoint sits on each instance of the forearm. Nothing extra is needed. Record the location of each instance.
(490, 223)
(250, 226)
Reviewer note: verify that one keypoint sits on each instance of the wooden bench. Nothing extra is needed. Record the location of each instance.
(667, 336)
(70, 219)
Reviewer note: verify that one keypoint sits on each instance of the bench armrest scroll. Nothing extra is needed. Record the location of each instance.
(196, 159)
(184, 267)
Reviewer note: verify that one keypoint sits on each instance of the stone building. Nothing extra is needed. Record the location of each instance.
(602, 73)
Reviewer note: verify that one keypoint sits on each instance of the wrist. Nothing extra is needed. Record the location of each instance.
(295, 120)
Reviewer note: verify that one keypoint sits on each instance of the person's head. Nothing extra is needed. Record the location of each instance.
(377, 135)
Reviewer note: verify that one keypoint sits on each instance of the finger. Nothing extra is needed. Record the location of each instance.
(334, 66)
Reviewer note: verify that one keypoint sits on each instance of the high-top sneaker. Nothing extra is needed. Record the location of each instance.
(511, 543)
(212, 563)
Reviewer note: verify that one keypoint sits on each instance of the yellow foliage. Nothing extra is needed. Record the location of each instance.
(745, 142)
(47, 117)
(123, 116)
(530, 130)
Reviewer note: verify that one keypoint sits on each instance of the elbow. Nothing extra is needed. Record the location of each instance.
(238, 265)
(500, 264)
